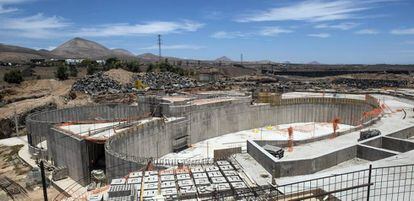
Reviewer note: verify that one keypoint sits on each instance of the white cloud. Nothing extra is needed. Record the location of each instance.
(156, 27)
(367, 32)
(228, 35)
(7, 10)
(273, 31)
(174, 47)
(409, 31)
(314, 11)
(320, 35)
(36, 26)
(264, 31)
(341, 26)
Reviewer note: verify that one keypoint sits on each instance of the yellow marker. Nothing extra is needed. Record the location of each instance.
(269, 127)
(255, 130)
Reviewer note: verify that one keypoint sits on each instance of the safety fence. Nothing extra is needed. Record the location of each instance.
(382, 183)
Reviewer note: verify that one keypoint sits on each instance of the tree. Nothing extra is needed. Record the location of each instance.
(13, 76)
(112, 62)
(151, 67)
(91, 69)
(73, 71)
(133, 66)
(90, 65)
(62, 72)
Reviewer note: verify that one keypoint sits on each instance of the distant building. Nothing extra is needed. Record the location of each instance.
(73, 61)
(101, 61)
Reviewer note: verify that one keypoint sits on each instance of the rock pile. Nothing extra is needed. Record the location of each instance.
(100, 83)
(165, 81)
(369, 83)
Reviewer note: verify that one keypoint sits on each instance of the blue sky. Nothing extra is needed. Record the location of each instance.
(327, 31)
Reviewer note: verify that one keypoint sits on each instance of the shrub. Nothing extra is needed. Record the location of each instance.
(13, 76)
(62, 73)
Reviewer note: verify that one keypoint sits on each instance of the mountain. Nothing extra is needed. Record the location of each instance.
(11, 53)
(223, 59)
(149, 57)
(314, 63)
(82, 48)
(122, 52)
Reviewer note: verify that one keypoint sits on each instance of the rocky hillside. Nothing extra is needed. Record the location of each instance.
(82, 48)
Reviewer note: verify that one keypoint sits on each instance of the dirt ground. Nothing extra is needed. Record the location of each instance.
(16, 170)
(120, 75)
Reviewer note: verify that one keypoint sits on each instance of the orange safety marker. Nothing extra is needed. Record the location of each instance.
(290, 141)
(335, 126)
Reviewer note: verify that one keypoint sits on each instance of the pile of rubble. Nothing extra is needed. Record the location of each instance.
(369, 83)
(100, 83)
(165, 81)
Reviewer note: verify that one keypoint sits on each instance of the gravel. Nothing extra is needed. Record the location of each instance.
(165, 81)
(100, 83)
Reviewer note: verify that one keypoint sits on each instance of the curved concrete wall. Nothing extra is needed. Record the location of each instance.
(39, 124)
(130, 150)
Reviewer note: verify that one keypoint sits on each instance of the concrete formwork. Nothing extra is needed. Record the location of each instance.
(205, 121)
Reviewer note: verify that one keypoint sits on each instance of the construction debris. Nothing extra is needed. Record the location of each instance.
(165, 80)
(100, 83)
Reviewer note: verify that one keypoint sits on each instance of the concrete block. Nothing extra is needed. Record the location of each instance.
(226, 167)
(182, 183)
(201, 182)
(214, 174)
(229, 173)
(167, 178)
(238, 185)
(233, 179)
(169, 192)
(167, 184)
(222, 187)
(205, 191)
(148, 186)
(151, 179)
(196, 169)
(220, 163)
(188, 191)
(137, 180)
(212, 169)
(120, 191)
(118, 181)
(199, 175)
(218, 180)
(135, 174)
(183, 176)
(149, 193)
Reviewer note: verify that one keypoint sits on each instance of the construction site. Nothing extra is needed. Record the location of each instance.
(229, 145)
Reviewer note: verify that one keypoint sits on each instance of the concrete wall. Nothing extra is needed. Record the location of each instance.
(210, 120)
(391, 143)
(373, 153)
(71, 152)
(38, 124)
(132, 148)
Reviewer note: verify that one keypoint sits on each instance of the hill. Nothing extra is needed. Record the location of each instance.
(11, 53)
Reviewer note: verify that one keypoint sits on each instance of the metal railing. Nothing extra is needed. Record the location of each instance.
(382, 183)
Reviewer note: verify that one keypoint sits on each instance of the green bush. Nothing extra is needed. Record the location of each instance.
(62, 73)
(13, 76)
(73, 71)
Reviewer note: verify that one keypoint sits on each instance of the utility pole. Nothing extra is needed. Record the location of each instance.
(42, 172)
(241, 59)
(16, 121)
(159, 47)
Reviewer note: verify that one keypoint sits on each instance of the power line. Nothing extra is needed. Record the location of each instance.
(159, 47)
